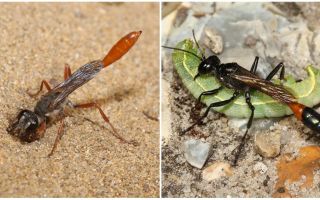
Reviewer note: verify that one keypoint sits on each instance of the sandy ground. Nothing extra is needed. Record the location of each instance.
(36, 41)
(179, 178)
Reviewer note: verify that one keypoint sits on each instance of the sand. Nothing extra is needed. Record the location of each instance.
(37, 39)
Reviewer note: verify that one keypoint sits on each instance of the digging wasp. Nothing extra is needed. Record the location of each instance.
(31, 125)
(243, 81)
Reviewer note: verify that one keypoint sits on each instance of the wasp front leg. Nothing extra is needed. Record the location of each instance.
(213, 105)
(58, 138)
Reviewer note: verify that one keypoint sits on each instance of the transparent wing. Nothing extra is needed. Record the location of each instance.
(275, 91)
(76, 80)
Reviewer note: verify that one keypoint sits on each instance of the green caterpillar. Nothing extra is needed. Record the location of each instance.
(307, 91)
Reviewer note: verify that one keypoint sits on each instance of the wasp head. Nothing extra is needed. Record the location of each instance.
(25, 126)
(208, 65)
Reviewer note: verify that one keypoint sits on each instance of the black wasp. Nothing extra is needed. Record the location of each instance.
(243, 82)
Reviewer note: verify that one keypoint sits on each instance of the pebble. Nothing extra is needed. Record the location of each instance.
(260, 167)
(213, 40)
(268, 144)
(250, 41)
(217, 170)
(197, 152)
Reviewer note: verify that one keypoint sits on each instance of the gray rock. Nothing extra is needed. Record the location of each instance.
(268, 144)
(197, 152)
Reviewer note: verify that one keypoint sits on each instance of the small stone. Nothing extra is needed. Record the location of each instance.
(217, 170)
(213, 40)
(197, 152)
(250, 41)
(268, 144)
(260, 167)
(181, 16)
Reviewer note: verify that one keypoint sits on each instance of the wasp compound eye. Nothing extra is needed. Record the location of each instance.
(25, 126)
(204, 68)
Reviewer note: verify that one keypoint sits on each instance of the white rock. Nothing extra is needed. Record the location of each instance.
(260, 167)
(217, 170)
(197, 152)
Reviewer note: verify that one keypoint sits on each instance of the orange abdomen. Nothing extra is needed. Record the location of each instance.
(297, 109)
(121, 48)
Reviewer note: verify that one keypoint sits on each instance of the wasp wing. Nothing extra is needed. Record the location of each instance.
(277, 92)
(77, 79)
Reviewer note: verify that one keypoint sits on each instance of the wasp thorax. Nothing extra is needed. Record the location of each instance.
(25, 126)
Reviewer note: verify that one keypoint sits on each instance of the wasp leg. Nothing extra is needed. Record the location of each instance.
(106, 119)
(210, 92)
(205, 93)
(275, 70)
(243, 139)
(43, 83)
(58, 138)
(215, 104)
(67, 71)
(254, 65)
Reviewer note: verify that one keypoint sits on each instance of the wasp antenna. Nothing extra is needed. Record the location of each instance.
(184, 51)
(121, 48)
(195, 40)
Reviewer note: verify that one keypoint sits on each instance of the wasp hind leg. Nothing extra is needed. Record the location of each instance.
(254, 65)
(106, 119)
(67, 71)
(275, 70)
